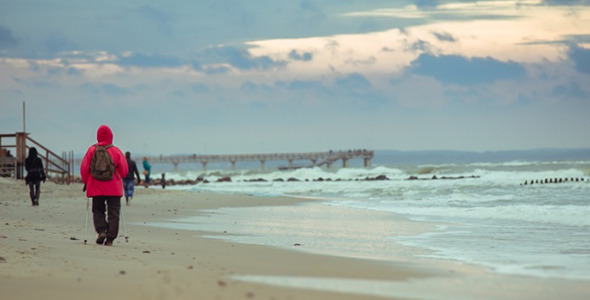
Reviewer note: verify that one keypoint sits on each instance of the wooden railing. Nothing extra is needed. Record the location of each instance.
(316, 158)
(57, 168)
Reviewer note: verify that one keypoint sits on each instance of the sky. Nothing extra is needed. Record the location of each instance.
(232, 77)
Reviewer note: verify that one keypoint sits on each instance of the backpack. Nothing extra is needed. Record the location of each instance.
(102, 166)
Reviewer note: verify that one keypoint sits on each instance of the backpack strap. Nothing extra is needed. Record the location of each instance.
(106, 146)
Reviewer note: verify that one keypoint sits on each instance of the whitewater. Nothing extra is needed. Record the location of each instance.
(486, 213)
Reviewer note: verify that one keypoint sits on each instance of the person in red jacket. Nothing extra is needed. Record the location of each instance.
(106, 194)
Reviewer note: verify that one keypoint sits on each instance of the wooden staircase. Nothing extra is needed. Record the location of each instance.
(57, 168)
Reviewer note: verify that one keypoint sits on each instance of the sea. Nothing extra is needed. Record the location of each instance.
(521, 213)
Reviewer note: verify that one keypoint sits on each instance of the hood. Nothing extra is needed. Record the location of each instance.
(104, 135)
(32, 152)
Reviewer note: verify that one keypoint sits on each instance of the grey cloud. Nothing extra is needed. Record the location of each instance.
(566, 2)
(350, 92)
(306, 56)
(426, 4)
(454, 69)
(420, 45)
(197, 65)
(311, 13)
(182, 27)
(240, 58)
(7, 39)
(353, 81)
(199, 88)
(581, 59)
(73, 71)
(444, 36)
(179, 94)
(252, 88)
(217, 70)
(42, 84)
(142, 60)
(359, 91)
(578, 38)
(58, 43)
(106, 88)
(573, 90)
(160, 17)
(301, 85)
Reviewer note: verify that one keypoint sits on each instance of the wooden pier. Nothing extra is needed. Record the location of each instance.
(314, 158)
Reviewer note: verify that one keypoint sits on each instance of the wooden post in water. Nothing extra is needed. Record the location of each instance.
(262, 164)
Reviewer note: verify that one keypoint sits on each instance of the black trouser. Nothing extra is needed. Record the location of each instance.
(35, 191)
(105, 214)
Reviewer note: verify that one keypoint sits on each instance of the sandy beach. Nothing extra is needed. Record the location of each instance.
(42, 256)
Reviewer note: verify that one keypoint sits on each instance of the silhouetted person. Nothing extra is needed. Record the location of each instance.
(147, 171)
(35, 174)
(129, 180)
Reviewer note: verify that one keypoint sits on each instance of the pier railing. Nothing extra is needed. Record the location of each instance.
(327, 158)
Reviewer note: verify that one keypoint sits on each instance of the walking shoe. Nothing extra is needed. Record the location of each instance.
(109, 242)
(101, 237)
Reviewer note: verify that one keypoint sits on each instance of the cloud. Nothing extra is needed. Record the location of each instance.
(453, 69)
(301, 85)
(73, 71)
(240, 58)
(357, 91)
(7, 39)
(420, 46)
(581, 59)
(197, 65)
(199, 88)
(311, 13)
(142, 60)
(178, 29)
(217, 70)
(566, 2)
(426, 4)
(573, 90)
(353, 81)
(106, 88)
(159, 16)
(444, 36)
(253, 88)
(58, 43)
(306, 56)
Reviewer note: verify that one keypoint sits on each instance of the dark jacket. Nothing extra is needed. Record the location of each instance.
(132, 170)
(34, 167)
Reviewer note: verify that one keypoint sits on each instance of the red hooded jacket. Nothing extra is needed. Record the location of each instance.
(113, 187)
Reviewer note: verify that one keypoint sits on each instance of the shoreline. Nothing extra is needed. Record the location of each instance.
(43, 256)
(38, 251)
(309, 225)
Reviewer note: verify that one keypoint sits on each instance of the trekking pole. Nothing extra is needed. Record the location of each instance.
(87, 204)
(124, 226)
